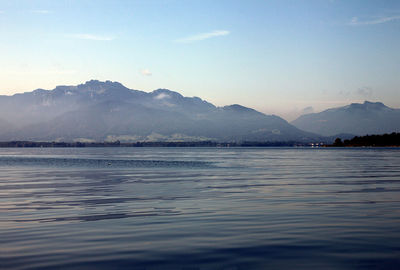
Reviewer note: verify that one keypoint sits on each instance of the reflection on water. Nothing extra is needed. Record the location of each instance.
(199, 208)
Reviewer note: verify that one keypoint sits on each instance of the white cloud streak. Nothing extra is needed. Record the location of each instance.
(203, 36)
(91, 37)
(355, 20)
(146, 72)
(162, 96)
(41, 11)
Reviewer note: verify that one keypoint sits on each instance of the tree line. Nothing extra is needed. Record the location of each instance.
(392, 139)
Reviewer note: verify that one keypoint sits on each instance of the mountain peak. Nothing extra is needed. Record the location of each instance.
(377, 104)
(97, 83)
(240, 109)
(91, 82)
(368, 105)
(98, 87)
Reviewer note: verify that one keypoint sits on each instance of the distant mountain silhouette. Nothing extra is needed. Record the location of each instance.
(356, 119)
(109, 111)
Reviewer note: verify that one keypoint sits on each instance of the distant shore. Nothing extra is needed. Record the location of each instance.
(33, 144)
(384, 140)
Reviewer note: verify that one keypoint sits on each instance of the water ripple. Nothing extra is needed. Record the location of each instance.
(192, 208)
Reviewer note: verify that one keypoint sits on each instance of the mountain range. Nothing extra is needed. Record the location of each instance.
(108, 111)
(354, 119)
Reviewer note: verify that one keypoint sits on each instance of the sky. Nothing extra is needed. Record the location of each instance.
(279, 57)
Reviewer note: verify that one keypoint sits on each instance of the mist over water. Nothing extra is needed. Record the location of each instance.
(199, 208)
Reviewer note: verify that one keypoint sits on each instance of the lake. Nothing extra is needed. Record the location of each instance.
(199, 208)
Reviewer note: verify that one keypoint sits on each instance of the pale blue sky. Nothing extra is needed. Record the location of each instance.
(276, 56)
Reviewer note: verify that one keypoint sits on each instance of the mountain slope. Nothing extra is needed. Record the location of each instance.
(5, 126)
(109, 111)
(357, 119)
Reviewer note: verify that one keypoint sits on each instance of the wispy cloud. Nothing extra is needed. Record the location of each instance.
(1, 11)
(146, 72)
(162, 96)
(365, 92)
(362, 92)
(41, 11)
(203, 36)
(91, 37)
(377, 20)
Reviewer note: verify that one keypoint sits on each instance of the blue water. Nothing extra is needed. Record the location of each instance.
(199, 208)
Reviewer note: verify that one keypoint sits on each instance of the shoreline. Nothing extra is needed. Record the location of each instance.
(33, 144)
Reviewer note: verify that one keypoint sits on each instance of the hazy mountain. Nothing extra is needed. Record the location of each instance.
(356, 118)
(109, 111)
(5, 125)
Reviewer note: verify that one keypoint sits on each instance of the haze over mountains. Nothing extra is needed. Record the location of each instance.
(355, 119)
(98, 111)
(108, 111)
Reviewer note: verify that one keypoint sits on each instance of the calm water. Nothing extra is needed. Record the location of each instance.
(199, 208)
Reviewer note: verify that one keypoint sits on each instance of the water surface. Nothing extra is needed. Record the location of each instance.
(199, 208)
